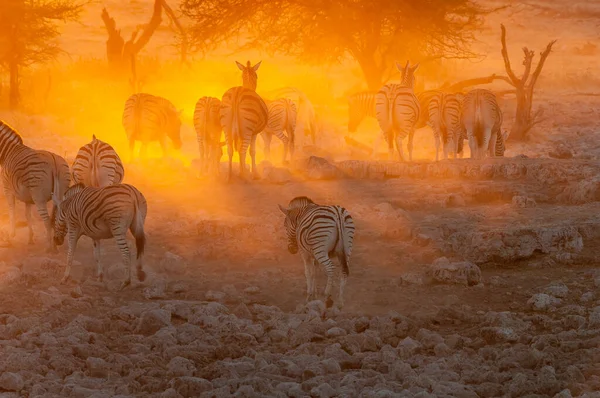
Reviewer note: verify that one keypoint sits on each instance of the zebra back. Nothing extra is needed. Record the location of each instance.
(97, 164)
(425, 98)
(147, 117)
(300, 201)
(243, 114)
(9, 139)
(480, 112)
(397, 108)
(61, 174)
(249, 76)
(206, 119)
(360, 106)
(282, 114)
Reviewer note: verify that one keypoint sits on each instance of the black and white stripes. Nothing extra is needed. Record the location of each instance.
(482, 119)
(97, 164)
(281, 117)
(318, 231)
(208, 132)
(102, 213)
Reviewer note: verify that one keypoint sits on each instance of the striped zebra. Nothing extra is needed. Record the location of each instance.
(243, 115)
(149, 118)
(102, 213)
(281, 116)
(306, 120)
(97, 164)
(398, 111)
(360, 106)
(208, 132)
(444, 119)
(249, 76)
(481, 117)
(33, 177)
(319, 231)
(500, 143)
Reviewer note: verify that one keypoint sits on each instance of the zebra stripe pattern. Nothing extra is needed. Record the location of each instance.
(500, 143)
(208, 132)
(444, 119)
(425, 98)
(482, 120)
(398, 110)
(97, 164)
(148, 118)
(318, 231)
(306, 121)
(360, 106)
(282, 115)
(243, 115)
(249, 76)
(102, 213)
(33, 177)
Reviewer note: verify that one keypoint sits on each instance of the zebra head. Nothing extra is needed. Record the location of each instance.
(290, 228)
(60, 224)
(408, 74)
(249, 76)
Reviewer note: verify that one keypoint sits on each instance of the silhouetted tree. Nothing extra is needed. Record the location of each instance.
(28, 34)
(375, 33)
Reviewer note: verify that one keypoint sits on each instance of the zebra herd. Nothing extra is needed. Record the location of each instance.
(453, 117)
(100, 206)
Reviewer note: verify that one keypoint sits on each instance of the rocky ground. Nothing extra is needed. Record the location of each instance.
(468, 279)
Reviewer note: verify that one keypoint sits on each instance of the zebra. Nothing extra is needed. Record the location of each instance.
(102, 213)
(148, 118)
(500, 143)
(33, 177)
(360, 106)
(319, 231)
(398, 111)
(97, 164)
(282, 115)
(249, 76)
(306, 121)
(481, 117)
(243, 115)
(208, 132)
(444, 119)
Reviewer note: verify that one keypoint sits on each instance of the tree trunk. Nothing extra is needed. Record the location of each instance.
(14, 94)
(523, 118)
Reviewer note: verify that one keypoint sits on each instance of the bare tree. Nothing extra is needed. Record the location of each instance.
(28, 35)
(122, 54)
(524, 86)
(182, 34)
(374, 33)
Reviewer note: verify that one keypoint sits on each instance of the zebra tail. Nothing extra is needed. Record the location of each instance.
(344, 258)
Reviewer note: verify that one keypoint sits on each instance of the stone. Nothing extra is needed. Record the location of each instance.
(542, 302)
(252, 290)
(561, 151)
(155, 291)
(336, 332)
(172, 264)
(152, 321)
(411, 278)
(463, 273)
(594, 318)
(9, 274)
(76, 292)
(11, 382)
(179, 366)
(214, 296)
(97, 367)
(523, 202)
(559, 290)
(189, 386)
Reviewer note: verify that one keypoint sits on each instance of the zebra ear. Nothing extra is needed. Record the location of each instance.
(93, 137)
(240, 66)
(255, 67)
(399, 67)
(283, 210)
(415, 67)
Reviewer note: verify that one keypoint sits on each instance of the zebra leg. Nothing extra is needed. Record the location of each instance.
(253, 157)
(411, 135)
(266, 136)
(308, 266)
(473, 146)
(10, 198)
(399, 140)
(436, 138)
(343, 279)
(120, 234)
(323, 259)
(492, 144)
(230, 154)
(390, 142)
(42, 209)
(29, 222)
(314, 278)
(73, 238)
(99, 273)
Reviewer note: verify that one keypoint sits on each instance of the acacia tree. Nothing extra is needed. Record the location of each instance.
(374, 33)
(28, 35)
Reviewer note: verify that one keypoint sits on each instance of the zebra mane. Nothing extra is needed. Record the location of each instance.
(5, 127)
(300, 201)
(74, 189)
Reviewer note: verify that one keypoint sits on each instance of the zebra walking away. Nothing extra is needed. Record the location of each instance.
(482, 120)
(33, 177)
(149, 118)
(208, 132)
(398, 110)
(243, 115)
(97, 164)
(319, 231)
(444, 119)
(102, 213)
(281, 116)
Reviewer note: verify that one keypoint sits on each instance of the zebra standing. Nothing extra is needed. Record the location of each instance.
(318, 231)
(243, 115)
(249, 76)
(97, 164)
(482, 120)
(360, 106)
(149, 118)
(281, 116)
(208, 132)
(306, 117)
(33, 177)
(398, 111)
(102, 213)
(444, 119)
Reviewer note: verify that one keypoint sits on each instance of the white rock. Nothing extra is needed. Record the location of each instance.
(156, 290)
(214, 296)
(464, 273)
(557, 290)
(179, 366)
(336, 332)
(542, 302)
(11, 382)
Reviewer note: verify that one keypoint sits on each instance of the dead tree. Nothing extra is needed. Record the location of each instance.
(524, 120)
(182, 33)
(121, 54)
